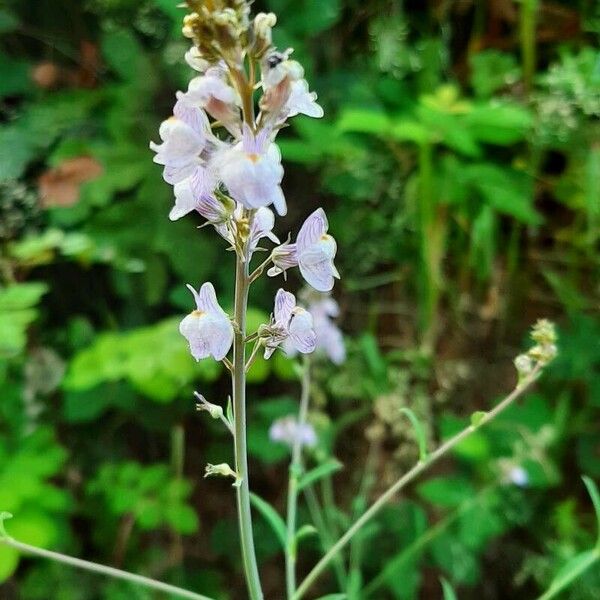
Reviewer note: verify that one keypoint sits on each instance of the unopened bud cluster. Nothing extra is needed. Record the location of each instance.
(545, 350)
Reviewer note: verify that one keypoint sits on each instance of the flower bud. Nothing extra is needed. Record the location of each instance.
(215, 411)
(263, 35)
(222, 470)
(524, 365)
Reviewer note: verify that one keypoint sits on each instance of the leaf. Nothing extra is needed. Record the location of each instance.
(570, 571)
(271, 516)
(8, 21)
(16, 78)
(448, 491)
(419, 431)
(410, 131)
(327, 468)
(364, 121)
(449, 593)
(333, 597)
(508, 191)
(501, 124)
(592, 489)
(306, 531)
(492, 70)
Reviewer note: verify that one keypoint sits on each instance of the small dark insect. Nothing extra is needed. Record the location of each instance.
(275, 59)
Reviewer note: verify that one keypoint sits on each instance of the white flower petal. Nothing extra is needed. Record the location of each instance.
(301, 331)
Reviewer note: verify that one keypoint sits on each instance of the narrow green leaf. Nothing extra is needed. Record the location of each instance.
(449, 593)
(305, 531)
(419, 431)
(271, 516)
(323, 470)
(592, 489)
(333, 597)
(574, 568)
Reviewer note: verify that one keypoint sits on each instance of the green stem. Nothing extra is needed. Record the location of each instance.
(591, 559)
(296, 468)
(408, 478)
(102, 569)
(430, 252)
(242, 285)
(527, 25)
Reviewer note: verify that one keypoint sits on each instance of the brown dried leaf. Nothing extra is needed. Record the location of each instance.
(60, 186)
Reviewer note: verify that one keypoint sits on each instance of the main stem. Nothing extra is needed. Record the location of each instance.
(296, 468)
(408, 478)
(242, 284)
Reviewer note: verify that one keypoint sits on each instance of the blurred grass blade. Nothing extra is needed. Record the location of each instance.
(449, 593)
(592, 489)
(323, 470)
(574, 568)
(271, 516)
(419, 432)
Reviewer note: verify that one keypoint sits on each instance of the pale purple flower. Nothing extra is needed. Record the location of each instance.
(290, 323)
(212, 93)
(316, 251)
(287, 431)
(252, 171)
(196, 193)
(302, 101)
(330, 339)
(194, 59)
(284, 257)
(286, 93)
(185, 136)
(208, 329)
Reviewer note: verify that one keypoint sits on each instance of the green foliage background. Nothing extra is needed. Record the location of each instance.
(459, 161)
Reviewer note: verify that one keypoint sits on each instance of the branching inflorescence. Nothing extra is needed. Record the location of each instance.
(229, 171)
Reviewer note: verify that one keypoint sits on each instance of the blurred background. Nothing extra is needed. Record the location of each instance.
(459, 162)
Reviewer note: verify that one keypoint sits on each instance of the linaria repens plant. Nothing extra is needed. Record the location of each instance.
(219, 153)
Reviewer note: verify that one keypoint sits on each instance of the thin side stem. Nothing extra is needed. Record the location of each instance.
(296, 468)
(242, 285)
(102, 569)
(408, 478)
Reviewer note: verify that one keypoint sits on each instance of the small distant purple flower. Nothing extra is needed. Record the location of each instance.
(287, 431)
(290, 324)
(252, 172)
(518, 476)
(329, 337)
(316, 251)
(208, 328)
